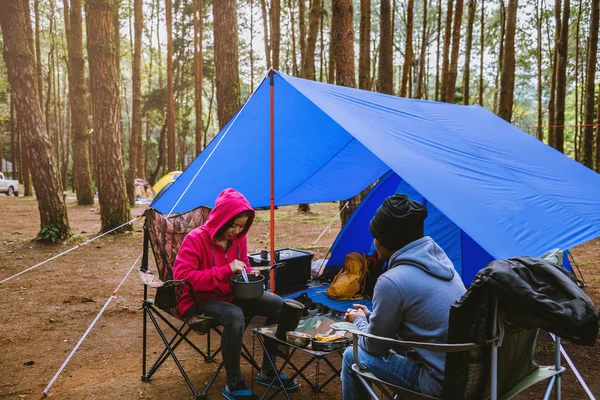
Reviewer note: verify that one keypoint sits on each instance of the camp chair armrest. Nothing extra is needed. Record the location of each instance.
(149, 279)
(439, 347)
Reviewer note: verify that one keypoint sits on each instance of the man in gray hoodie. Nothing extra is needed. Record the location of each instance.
(411, 301)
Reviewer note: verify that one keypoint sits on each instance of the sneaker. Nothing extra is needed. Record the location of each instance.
(238, 392)
(287, 382)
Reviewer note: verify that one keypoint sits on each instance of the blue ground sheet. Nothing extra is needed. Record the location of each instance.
(317, 294)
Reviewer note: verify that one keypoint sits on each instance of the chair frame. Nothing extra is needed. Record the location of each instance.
(553, 373)
(200, 323)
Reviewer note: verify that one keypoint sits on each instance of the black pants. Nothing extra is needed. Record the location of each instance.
(231, 316)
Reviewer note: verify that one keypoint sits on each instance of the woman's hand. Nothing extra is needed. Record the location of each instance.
(237, 266)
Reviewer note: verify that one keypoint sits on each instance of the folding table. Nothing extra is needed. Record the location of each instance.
(312, 325)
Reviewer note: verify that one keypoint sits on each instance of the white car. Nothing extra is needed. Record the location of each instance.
(9, 186)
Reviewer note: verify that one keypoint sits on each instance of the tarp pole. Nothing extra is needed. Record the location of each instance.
(272, 120)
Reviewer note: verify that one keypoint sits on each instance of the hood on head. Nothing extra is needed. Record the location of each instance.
(228, 204)
(425, 254)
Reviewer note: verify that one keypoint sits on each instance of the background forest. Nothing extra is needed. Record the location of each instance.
(94, 94)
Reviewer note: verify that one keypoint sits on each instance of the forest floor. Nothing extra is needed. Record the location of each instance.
(44, 312)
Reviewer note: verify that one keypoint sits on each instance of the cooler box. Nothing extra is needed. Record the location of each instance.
(292, 275)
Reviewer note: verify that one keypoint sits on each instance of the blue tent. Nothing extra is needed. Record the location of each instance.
(503, 192)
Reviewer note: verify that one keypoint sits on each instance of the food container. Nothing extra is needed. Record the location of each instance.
(247, 290)
(331, 346)
(298, 339)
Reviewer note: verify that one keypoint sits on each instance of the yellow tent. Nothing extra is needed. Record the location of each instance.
(165, 180)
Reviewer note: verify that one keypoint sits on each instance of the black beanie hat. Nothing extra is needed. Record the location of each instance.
(398, 221)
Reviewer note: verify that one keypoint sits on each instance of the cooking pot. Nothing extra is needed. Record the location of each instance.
(247, 290)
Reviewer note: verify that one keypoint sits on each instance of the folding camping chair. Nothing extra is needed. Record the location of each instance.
(490, 361)
(166, 234)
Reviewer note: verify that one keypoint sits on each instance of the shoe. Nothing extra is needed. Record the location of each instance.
(241, 393)
(287, 382)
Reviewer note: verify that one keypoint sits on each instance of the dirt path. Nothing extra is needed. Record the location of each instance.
(44, 312)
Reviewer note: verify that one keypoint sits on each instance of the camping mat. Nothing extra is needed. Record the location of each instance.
(317, 294)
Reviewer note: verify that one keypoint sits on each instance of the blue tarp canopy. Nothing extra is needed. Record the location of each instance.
(507, 192)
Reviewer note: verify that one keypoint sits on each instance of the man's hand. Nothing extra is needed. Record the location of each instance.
(237, 266)
(352, 314)
(364, 309)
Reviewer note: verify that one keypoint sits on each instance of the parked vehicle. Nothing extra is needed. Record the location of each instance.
(9, 186)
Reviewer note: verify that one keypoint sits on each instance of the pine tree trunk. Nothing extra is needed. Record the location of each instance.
(408, 50)
(198, 11)
(302, 28)
(500, 55)
(308, 65)
(332, 49)
(468, 44)
(588, 119)
(275, 32)
(553, 76)
(561, 79)
(423, 54)
(385, 75)
(364, 57)
(104, 88)
(263, 6)
(38, 52)
(343, 31)
(295, 70)
(226, 60)
(437, 53)
(507, 82)
(171, 150)
(136, 94)
(19, 57)
(481, 51)
(597, 147)
(576, 139)
(82, 175)
(538, 23)
(446, 52)
(453, 69)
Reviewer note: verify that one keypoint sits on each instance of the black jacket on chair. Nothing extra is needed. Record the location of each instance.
(538, 294)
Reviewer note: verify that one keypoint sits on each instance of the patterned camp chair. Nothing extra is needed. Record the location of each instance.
(165, 234)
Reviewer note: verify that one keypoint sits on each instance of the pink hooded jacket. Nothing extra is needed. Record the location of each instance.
(204, 263)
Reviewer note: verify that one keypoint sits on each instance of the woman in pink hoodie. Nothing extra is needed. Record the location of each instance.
(209, 256)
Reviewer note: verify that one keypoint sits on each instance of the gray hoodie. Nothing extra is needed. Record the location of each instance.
(411, 301)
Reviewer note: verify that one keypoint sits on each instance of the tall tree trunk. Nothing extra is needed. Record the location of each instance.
(226, 60)
(553, 64)
(538, 24)
(561, 78)
(453, 69)
(308, 65)
(437, 53)
(302, 28)
(481, 51)
(500, 55)
(343, 28)
(364, 57)
(408, 51)
(507, 82)
(20, 64)
(136, 94)
(38, 53)
(597, 147)
(385, 75)
(588, 119)
(446, 52)
(423, 54)
(576, 139)
(102, 54)
(332, 49)
(198, 11)
(275, 32)
(171, 150)
(263, 7)
(295, 70)
(468, 44)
